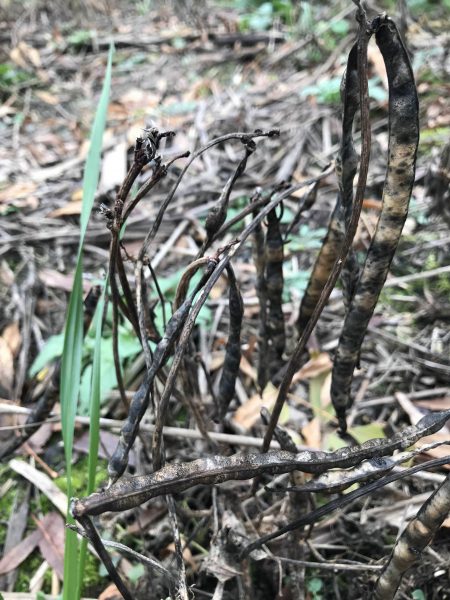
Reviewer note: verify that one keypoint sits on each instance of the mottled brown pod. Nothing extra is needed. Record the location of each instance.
(403, 141)
(259, 258)
(139, 403)
(274, 290)
(177, 477)
(346, 165)
(232, 360)
(414, 539)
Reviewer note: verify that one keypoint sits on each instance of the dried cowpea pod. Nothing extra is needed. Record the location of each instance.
(259, 259)
(274, 255)
(232, 360)
(414, 539)
(346, 165)
(177, 477)
(140, 401)
(218, 213)
(403, 141)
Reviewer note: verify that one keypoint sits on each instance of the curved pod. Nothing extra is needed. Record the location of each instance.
(403, 141)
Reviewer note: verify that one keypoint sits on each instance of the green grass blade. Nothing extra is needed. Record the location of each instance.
(94, 429)
(73, 337)
(92, 170)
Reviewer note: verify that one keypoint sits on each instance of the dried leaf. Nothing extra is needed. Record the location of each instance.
(440, 451)
(325, 392)
(247, 368)
(12, 193)
(187, 555)
(42, 482)
(108, 443)
(110, 593)
(47, 97)
(11, 335)
(248, 413)
(312, 434)
(51, 543)
(19, 553)
(375, 57)
(114, 167)
(434, 403)
(71, 208)
(54, 279)
(6, 369)
(315, 366)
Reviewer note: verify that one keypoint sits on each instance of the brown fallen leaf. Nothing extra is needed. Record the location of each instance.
(25, 56)
(114, 167)
(11, 335)
(312, 434)
(69, 209)
(372, 204)
(17, 524)
(247, 368)
(51, 543)
(442, 403)
(187, 555)
(42, 482)
(108, 443)
(315, 366)
(376, 59)
(12, 193)
(60, 281)
(19, 553)
(110, 593)
(440, 451)
(47, 97)
(249, 412)
(6, 369)
(146, 517)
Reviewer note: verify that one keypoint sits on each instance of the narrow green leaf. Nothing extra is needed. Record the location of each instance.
(94, 429)
(73, 336)
(92, 170)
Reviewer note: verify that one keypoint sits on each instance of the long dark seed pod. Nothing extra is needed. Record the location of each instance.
(139, 403)
(177, 477)
(232, 360)
(340, 479)
(217, 215)
(346, 165)
(403, 141)
(259, 258)
(417, 535)
(274, 286)
(46, 403)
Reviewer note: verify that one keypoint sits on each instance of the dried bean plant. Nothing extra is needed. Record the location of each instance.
(172, 358)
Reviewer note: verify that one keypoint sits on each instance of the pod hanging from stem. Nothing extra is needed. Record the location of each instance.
(403, 142)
